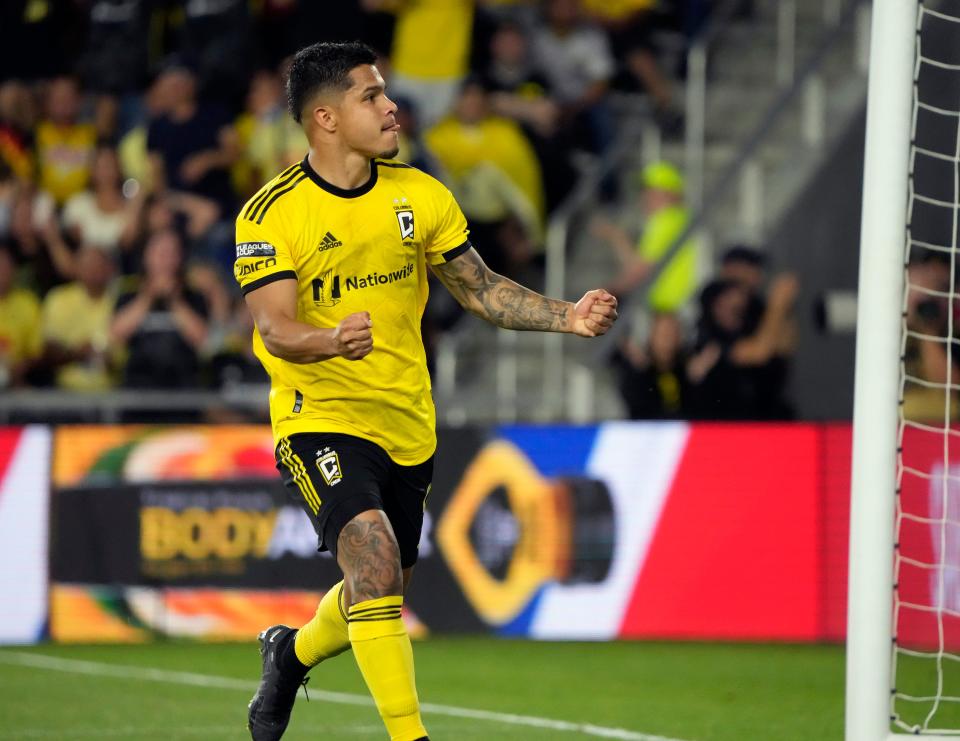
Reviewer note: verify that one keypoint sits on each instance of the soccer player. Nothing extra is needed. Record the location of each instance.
(331, 258)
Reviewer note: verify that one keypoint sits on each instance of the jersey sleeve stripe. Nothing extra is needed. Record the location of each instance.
(276, 195)
(456, 251)
(267, 279)
(282, 179)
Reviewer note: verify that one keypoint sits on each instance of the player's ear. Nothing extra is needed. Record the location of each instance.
(325, 117)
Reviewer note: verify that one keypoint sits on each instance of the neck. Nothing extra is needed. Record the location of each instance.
(348, 171)
(106, 195)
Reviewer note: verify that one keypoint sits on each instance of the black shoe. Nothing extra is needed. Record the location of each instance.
(269, 710)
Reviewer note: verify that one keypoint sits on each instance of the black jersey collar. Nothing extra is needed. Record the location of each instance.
(341, 192)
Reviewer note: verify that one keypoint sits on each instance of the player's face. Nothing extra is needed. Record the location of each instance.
(368, 118)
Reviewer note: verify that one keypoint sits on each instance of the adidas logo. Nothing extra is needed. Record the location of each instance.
(328, 242)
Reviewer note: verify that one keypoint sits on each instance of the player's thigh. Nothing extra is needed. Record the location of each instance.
(334, 478)
(404, 501)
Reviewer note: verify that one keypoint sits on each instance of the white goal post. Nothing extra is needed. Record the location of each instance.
(876, 387)
(870, 623)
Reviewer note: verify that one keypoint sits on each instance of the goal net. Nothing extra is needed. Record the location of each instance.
(925, 694)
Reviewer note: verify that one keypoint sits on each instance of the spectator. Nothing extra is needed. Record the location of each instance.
(734, 374)
(235, 362)
(163, 324)
(31, 215)
(495, 175)
(17, 121)
(204, 280)
(576, 60)
(270, 140)
(19, 324)
(630, 26)
(431, 51)
(64, 144)
(666, 220)
(101, 217)
(653, 378)
(518, 90)
(115, 61)
(413, 149)
(747, 267)
(926, 357)
(192, 145)
(76, 324)
(215, 39)
(132, 146)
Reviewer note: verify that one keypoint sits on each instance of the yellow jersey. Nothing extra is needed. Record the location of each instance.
(19, 327)
(432, 39)
(678, 280)
(460, 147)
(364, 249)
(65, 156)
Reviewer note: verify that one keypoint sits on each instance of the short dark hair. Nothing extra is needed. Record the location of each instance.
(744, 253)
(323, 66)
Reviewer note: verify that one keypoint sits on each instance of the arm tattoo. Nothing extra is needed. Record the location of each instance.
(499, 300)
(368, 554)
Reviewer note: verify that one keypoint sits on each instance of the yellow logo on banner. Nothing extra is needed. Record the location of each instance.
(197, 534)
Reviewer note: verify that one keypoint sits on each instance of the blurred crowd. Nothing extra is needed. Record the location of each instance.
(931, 351)
(132, 130)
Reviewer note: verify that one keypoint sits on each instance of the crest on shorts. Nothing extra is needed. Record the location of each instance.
(329, 464)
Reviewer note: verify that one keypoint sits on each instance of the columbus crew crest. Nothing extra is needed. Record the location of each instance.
(405, 219)
(329, 464)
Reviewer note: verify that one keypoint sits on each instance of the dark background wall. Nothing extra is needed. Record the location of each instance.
(820, 240)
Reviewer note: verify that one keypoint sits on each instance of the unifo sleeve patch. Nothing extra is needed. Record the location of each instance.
(256, 249)
(262, 257)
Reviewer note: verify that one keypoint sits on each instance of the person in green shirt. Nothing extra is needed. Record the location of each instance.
(666, 219)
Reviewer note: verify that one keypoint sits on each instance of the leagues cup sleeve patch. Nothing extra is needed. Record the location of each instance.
(256, 249)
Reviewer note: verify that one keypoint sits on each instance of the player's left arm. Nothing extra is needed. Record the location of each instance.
(507, 304)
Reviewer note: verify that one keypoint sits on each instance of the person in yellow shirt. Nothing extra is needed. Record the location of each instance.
(493, 171)
(76, 324)
(666, 219)
(332, 259)
(431, 51)
(64, 145)
(269, 139)
(19, 324)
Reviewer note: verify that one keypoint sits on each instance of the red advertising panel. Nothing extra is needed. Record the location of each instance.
(736, 552)
(928, 574)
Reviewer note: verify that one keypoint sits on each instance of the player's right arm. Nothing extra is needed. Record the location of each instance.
(274, 310)
(266, 270)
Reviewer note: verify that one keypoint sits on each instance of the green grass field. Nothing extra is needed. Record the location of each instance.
(638, 691)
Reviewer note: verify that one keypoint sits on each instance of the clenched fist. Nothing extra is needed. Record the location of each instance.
(353, 337)
(594, 314)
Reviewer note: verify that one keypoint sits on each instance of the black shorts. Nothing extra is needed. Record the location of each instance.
(335, 477)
